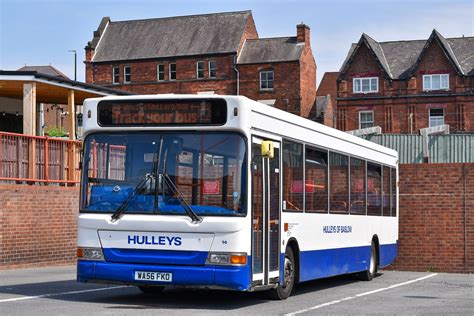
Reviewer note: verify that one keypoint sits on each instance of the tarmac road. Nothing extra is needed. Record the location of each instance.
(54, 291)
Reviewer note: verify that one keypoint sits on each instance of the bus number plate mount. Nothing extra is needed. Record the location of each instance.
(153, 276)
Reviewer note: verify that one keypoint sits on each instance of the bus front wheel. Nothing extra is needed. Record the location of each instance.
(284, 289)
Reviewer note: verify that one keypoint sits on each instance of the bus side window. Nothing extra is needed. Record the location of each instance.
(393, 192)
(338, 183)
(374, 188)
(316, 181)
(358, 186)
(292, 176)
(386, 191)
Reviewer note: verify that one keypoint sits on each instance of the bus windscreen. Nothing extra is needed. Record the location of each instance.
(162, 112)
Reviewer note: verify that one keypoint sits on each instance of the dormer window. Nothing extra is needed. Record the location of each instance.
(365, 85)
(436, 82)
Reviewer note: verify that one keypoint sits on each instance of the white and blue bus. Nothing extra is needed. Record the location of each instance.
(227, 193)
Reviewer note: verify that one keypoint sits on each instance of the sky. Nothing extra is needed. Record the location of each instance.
(40, 32)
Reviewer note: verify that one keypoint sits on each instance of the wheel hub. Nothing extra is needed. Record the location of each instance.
(289, 272)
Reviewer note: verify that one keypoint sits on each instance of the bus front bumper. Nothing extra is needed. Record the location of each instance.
(229, 277)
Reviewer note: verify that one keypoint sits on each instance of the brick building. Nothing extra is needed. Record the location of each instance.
(212, 53)
(403, 86)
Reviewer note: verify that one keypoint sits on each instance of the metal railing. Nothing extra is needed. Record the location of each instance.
(36, 159)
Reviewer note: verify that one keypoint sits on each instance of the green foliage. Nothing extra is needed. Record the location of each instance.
(56, 132)
(431, 269)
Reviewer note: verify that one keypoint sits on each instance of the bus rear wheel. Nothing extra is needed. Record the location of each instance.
(369, 274)
(151, 289)
(283, 291)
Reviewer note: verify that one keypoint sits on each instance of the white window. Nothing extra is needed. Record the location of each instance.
(160, 71)
(116, 75)
(436, 82)
(200, 70)
(365, 85)
(172, 72)
(266, 80)
(212, 68)
(436, 117)
(127, 74)
(366, 119)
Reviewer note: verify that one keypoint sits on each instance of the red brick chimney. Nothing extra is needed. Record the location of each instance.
(302, 34)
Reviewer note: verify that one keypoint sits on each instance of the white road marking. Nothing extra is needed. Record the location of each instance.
(22, 298)
(360, 295)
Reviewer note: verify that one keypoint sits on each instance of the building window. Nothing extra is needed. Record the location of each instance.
(212, 68)
(436, 117)
(266, 80)
(116, 75)
(366, 119)
(127, 74)
(435, 82)
(200, 70)
(365, 85)
(160, 70)
(172, 72)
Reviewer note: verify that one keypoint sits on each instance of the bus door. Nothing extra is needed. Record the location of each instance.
(265, 214)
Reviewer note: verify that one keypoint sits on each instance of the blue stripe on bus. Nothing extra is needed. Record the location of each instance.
(231, 277)
(388, 254)
(317, 264)
(155, 256)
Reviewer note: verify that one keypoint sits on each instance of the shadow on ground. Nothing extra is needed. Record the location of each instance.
(172, 298)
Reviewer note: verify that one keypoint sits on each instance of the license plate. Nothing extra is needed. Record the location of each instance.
(153, 276)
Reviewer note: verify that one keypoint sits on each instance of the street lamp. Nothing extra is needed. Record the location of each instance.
(75, 63)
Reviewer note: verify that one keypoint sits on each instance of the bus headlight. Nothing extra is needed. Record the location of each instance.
(90, 253)
(231, 258)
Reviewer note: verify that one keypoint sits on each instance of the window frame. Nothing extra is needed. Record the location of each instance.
(158, 72)
(303, 179)
(200, 62)
(430, 88)
(261, 72)
(210, 69)
(125, 74)
(360, 85)
(430, 116)
(116, 74)
(360, 118)
(170, 77)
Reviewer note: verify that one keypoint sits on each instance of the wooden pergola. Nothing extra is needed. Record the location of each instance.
(33, 88)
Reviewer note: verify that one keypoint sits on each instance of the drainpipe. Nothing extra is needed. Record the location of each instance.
(238, 75)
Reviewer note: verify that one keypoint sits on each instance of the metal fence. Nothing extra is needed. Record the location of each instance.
(35, 159)
(452, 148)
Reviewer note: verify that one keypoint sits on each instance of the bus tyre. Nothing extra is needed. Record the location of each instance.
(151, 289)
(283, 291)
(369, 274)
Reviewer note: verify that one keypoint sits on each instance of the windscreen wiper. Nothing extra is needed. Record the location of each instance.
(138, 188)
(187, 208)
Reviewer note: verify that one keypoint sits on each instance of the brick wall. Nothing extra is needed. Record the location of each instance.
(37, 225)
(432, 212)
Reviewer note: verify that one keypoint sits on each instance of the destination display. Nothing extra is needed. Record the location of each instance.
(162, 112)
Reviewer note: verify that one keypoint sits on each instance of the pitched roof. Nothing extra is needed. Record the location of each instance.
(399, 58)
(266, 50)
(169, 37)
(47, 70)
